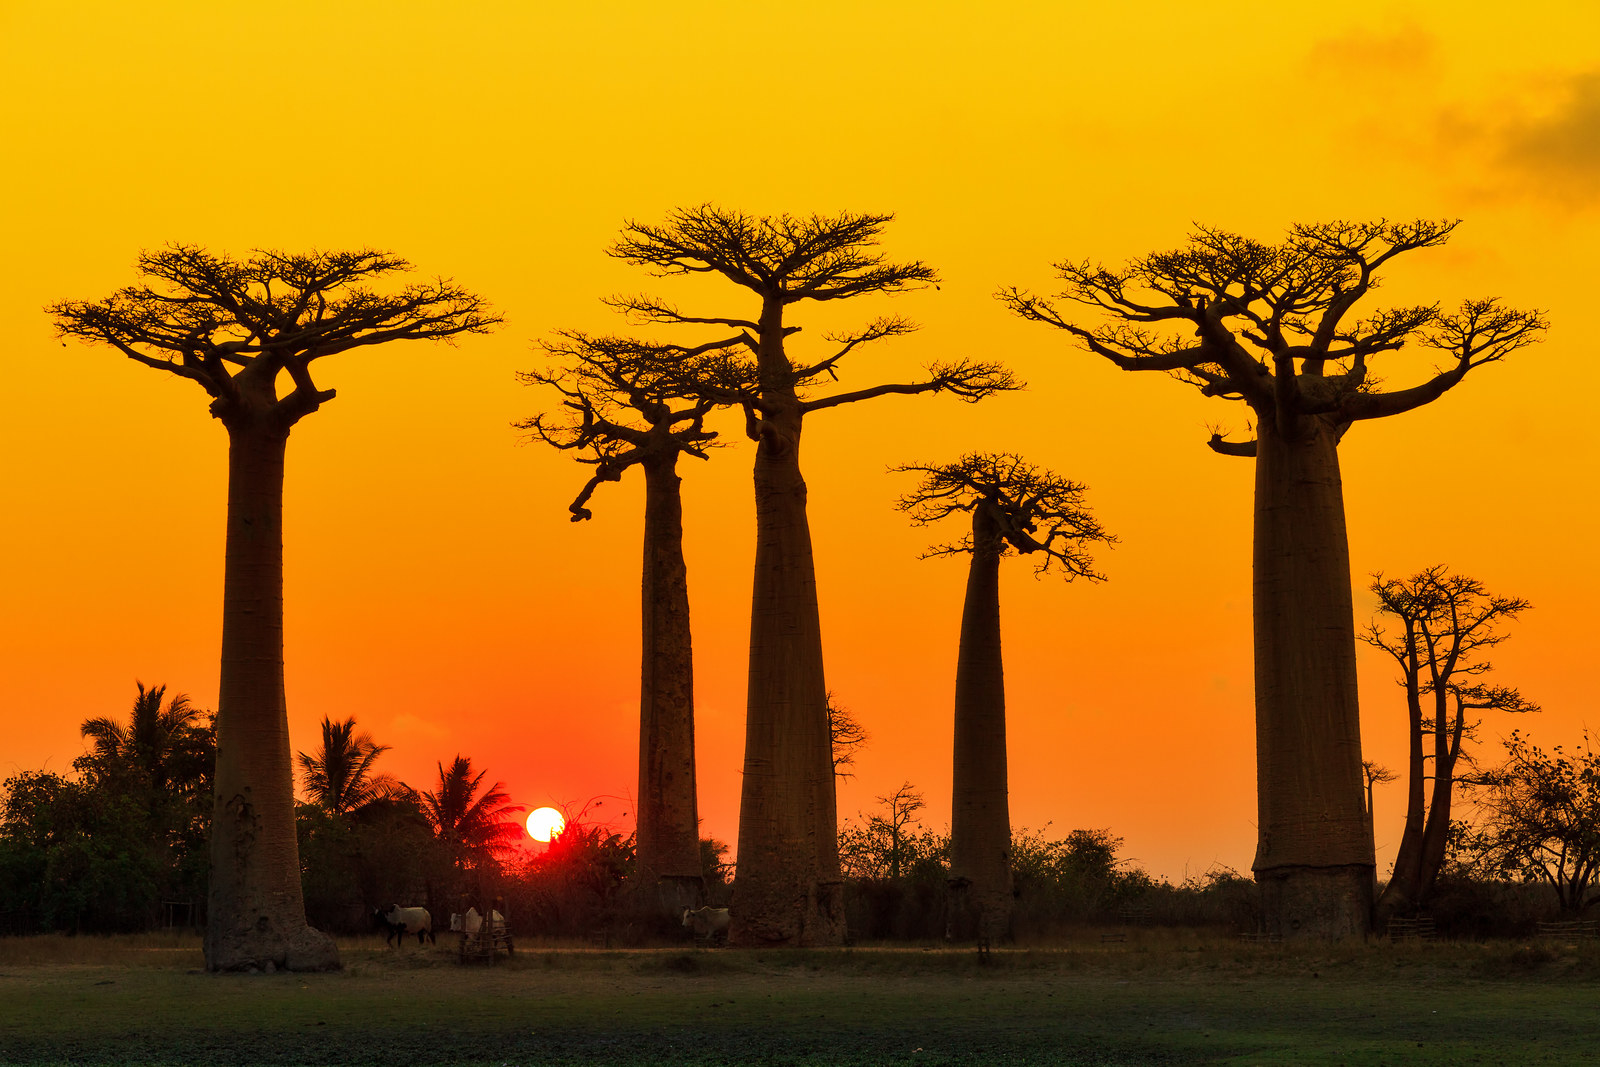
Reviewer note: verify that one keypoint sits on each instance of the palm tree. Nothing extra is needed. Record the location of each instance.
(167, 750)
(475, 827)
(339, 778)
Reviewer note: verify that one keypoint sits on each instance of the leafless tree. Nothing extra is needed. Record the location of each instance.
(1273, 326)
(625, 404)
(238, 329)
(789, 890)
(846, 734)
(1438, 627)
(1016, 508)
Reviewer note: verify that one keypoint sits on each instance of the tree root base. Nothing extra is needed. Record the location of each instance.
(1316, 903)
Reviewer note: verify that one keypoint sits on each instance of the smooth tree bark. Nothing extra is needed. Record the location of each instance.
(624, 405)
(235, 327)
(1015, 508)
(789, 889)
(1446, 624)
(1272, 326)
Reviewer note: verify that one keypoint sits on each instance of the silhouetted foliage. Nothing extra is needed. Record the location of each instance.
(1541, 821)
(75, 858)
(719, 870)
(623, 402)
(475, 827)
(1032, 511)
(383, 852)
(846, 734)
(338, 777)
(1078, 878)
(574, 888)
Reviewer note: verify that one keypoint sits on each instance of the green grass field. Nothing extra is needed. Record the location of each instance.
(1161, 997)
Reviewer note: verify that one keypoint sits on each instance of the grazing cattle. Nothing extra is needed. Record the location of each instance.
(472, 922)
(708, 924)
(398, 921)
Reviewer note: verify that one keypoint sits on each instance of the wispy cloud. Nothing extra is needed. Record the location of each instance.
(1403, 51)
(1554, 150)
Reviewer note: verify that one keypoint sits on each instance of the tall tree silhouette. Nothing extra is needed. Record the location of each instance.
(476, 827)
(625, 404)
(1446, 624)
(338, 777)
(789, 890)
(237, 329)
(1272, 326)
(1015, 508)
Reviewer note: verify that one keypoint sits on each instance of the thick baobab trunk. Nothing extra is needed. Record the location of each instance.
(788, 889)
(669, 873)
(980, 819)
(1314, 856)
(256, 916)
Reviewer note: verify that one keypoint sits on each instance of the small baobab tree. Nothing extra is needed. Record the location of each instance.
(1016, 508)
(1438, 627)
(789, 890)
(242, 330)
(624, 404)
(1272, 326)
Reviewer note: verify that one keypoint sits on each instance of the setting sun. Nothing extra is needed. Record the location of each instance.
(545, 823)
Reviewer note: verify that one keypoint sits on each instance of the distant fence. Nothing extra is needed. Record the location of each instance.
(1569, 930)
(1413, 929)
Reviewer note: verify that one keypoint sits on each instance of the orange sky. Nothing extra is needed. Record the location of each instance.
(435, 589)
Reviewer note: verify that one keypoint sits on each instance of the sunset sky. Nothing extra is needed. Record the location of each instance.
(435, 589)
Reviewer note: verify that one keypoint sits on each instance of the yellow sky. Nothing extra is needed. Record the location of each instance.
(435, 589)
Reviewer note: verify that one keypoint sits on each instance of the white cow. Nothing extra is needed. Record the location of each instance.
(403, 921)
(472, 922)
(708, 924)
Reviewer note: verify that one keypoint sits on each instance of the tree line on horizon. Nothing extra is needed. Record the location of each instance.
(122, 847)
(1270, 325)
(123, 844)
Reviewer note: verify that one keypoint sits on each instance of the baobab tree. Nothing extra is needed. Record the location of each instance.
(1446, 624)
(240, 330)
(623, 404)
(789, 889)
(1016, 508)
(1271, 325)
